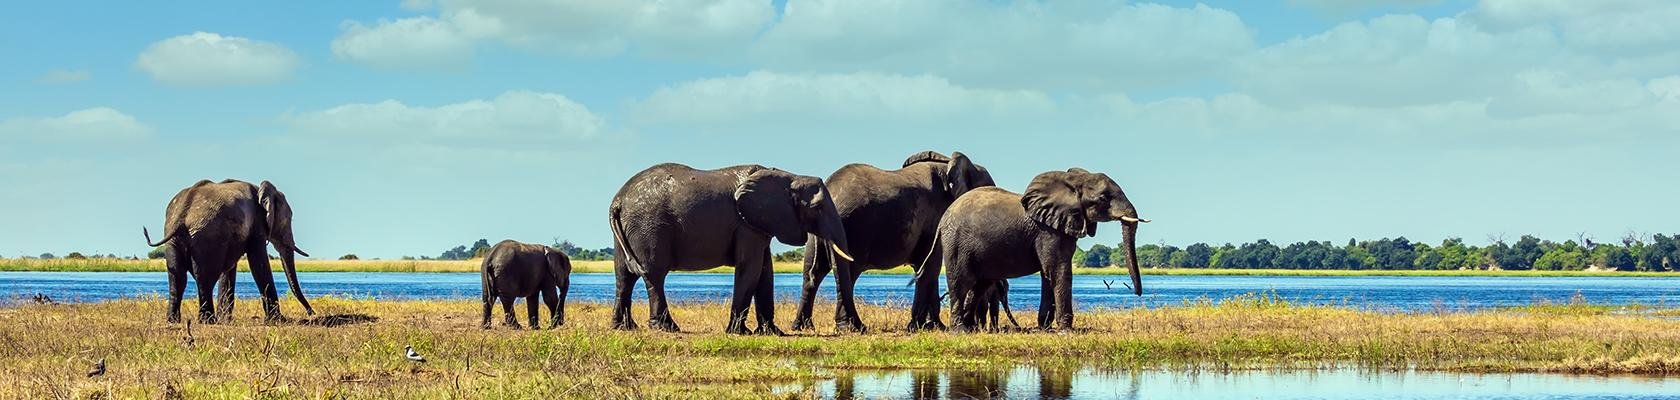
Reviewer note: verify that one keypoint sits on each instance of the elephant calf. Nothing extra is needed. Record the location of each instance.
(513, 269)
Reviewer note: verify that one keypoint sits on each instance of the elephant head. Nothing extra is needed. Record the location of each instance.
(278, 220)
(961, 174)
(789, 206)
(1072, 202)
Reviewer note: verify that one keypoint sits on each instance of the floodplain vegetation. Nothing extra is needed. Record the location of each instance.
(354, 348)
(581, 266)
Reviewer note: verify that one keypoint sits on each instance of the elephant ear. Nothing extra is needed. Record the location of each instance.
(926, 156)
(1052, 200)
(765, 201)
(960, 175)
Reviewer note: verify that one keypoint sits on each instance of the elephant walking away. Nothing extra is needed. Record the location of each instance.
(992, 234)
(514, 270)
(890, 219)
(208, 226)
(671, 217)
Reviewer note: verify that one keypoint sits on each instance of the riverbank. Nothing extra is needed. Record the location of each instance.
(118, 265)
(355, 348)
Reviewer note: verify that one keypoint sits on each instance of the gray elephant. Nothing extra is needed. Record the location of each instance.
(890, 218)
(208, 226)
(991, 234)
(512, 269)
(670, 217)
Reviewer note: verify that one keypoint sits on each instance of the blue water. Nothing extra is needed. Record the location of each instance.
(1028, 383)
(1379, 293)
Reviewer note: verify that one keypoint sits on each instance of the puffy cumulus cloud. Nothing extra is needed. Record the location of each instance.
(1396, 60)
(1618, 26)
(411, 43)
(209, 59)
(763, 97)
(515, 119)
(98, 124)
(1081, 46)
(667, 28)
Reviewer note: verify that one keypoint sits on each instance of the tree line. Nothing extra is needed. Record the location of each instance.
(1633, 253)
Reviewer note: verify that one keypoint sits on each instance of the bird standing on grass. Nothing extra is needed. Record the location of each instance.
(412, 356)
(98, 369)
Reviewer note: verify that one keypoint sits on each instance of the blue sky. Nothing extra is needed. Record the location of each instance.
(408, 127)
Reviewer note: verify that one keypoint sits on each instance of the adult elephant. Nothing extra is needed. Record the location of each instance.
(670, 217)
(890, 219)
(992, 234)
(208, 226)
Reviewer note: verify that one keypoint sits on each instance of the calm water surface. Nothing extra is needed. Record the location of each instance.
(1031, 383)
(1379, 293)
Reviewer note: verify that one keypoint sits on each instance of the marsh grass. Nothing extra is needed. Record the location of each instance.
(46, 349)
(119, 265)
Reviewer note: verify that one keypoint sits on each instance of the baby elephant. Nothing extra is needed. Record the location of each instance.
(513, 269)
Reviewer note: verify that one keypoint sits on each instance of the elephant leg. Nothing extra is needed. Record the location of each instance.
(659, 310)
(178, 263)
(746, 282)
(962, 306)
(488, 297)
(625, 283)
(224, 294)
(209, 263)
(924, 305)
(816, 268)
(764, 299)
(206, 298)
(556, 315)
(256, 254)
(1046, 306)
(508, 319)
(1064, 297)
(531, 310)
(845, 305)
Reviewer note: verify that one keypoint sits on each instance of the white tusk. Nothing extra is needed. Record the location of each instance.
(840, 253)
(1133, 219)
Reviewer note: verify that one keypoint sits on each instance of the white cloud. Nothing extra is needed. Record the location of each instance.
(409, 43)
(818, 99)
(1624, 27)
(209, 59)
(1345, 7)
(514, 119)
(96, 124)
(1081, 46)
(64, 76)
(418, 5)
(657, 28)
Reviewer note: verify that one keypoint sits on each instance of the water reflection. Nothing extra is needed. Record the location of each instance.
(1035, 383)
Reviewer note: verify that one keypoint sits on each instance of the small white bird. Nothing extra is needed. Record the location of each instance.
(98, 369)
(412, 356)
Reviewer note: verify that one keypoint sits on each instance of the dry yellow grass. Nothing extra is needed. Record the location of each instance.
(47, 348)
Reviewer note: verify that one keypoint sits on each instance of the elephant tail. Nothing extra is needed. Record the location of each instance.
(169, 233)
(489, 285)
(631, 264)
(932, 249)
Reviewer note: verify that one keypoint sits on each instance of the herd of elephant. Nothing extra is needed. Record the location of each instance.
(935, 213)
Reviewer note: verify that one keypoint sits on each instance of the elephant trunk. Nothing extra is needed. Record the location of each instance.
(833, 233)
(1129, 230)
(288, 262)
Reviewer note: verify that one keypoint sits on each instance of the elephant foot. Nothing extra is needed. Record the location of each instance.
(737, 329)
(555, 323)
(852, 325)
(918, 326)
(625, 326)
(803, 323)
(207, 320)
(663, 325)
(484, 325)
(770, 329)
(173, 318)
(512, 324)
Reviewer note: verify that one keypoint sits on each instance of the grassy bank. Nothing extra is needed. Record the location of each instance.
(47, 348)
(113, 265)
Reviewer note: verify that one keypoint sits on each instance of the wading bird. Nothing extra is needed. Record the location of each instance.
(412, 356)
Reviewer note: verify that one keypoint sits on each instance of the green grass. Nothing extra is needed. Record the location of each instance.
(116, 265)
(44, 349)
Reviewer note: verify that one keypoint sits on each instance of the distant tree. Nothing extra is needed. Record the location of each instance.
(1098, 256)
(75, 255)
(480, 248)
(1078, 256)
(795, 255)
(156, 253)
(1614, 257)
(349, 257)
(408, 258)
(1198, 255)
(48, 256)
(1148, 255)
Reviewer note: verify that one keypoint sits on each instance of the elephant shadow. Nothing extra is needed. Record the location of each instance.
(337, 320)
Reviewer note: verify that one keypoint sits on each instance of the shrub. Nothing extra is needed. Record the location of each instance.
(349, 257)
